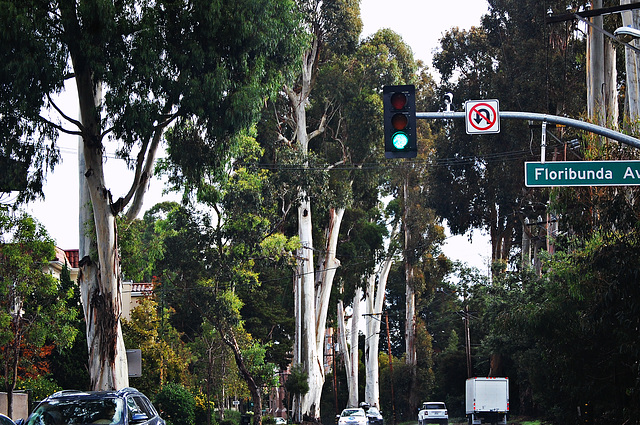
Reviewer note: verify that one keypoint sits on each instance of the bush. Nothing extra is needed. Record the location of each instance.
(176, 405)
(231, 417)
(39, 386)
(203, 409)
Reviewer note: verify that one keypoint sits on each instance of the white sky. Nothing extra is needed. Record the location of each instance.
(421, 23)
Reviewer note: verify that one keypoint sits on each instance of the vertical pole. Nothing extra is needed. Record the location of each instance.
(393, 399)
(335, 381)
(543, 143)
(467, 338)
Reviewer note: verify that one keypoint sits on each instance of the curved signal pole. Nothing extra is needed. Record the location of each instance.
(554, 119)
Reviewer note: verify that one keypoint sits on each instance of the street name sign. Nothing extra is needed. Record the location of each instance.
(582, 173)
(482, 116)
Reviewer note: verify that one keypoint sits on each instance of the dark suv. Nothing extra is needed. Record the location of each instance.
(124, 407)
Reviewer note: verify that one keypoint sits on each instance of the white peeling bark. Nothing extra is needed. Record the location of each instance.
(99, 275)
(349, 350)
(374, 304)
(632, 66)
(313, 293)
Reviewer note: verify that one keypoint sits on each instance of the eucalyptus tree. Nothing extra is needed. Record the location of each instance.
(330, 25)
(515, 57)
(229, 249)
(138, 67)
(329, 126)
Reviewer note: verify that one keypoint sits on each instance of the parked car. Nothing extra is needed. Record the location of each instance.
(374, 416)
(127, 406)
(5, 420)
(352, 416)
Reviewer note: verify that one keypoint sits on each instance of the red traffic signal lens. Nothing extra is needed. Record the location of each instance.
(398, 100)
(399, 121)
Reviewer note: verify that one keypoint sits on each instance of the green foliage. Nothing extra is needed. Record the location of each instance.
(263, 372)
(511, 56)
(156, 68)
(39, 386)
(176, 405)
(34, 309)
(67, 362)
(564, 338)
(232, 417)
(165, 358)
(297, 383)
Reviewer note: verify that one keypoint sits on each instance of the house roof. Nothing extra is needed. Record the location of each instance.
(69, 256)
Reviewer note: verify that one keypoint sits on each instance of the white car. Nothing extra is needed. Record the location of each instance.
(352, 416)
(433, 412)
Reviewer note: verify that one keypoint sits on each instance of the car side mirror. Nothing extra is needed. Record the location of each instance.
(139, 417)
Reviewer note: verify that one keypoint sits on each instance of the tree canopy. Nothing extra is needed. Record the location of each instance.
(35, 316)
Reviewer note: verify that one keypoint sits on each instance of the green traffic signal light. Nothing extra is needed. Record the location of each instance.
(400, 139)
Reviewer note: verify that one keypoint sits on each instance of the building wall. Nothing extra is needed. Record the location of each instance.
(20, 405)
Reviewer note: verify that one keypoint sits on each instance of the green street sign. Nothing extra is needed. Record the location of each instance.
(582, 173)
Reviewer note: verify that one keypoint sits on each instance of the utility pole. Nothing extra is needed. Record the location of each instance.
(467, 341)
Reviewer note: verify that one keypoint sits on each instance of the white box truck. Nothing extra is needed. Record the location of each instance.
(487, 400)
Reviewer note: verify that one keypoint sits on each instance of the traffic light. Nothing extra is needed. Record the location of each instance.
(400, 140)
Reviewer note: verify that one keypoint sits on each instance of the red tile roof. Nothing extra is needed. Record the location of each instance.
(73, 256)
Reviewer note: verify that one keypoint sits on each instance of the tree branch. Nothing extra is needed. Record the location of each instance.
(65, 116)
(144, 168)
(59, 127)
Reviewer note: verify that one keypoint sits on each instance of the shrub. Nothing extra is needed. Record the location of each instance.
(176, 405)
(39, 386)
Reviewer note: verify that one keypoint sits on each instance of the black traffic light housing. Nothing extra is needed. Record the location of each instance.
(400, 139)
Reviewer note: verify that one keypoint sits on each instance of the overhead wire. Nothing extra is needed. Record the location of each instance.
(487, 158)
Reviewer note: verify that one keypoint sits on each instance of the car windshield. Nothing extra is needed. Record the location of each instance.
(373, 411)
(78, 411)
(353, 412)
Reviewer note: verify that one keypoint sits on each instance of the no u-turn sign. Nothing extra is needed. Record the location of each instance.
(482, 116)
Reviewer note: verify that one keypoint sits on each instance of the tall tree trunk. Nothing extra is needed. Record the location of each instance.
(98, 278)
(610, 88)
(99, 275)
(350, 351)
(309, 355)
(307, 350)
(410, 295)
(312, 288)
(595, 69)
(374, 305)
(355, 357)
(410, 303)
(632, 67)
(345, 352)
